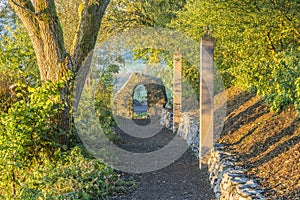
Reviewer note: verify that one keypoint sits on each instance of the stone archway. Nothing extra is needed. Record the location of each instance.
(156, 96)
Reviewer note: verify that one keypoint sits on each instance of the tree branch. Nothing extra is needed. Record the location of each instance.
(86, 36)
(44, 30)
(25, 11)
(23, 7)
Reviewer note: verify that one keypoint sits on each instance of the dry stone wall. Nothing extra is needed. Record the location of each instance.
(188, 127)
(167, 119)
(228, 180)
(189, 130)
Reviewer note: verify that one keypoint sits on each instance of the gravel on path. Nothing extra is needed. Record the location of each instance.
(179, 181)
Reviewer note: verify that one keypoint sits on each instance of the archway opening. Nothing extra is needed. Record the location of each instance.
(140, 103)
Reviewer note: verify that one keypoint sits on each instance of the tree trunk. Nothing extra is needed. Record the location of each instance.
(42, 24)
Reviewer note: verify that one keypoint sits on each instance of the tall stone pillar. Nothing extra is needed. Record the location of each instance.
(206, 96)
(177, 91)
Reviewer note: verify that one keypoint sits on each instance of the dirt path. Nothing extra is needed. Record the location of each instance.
(180, 180)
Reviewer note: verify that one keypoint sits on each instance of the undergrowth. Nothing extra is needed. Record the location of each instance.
(34, 165)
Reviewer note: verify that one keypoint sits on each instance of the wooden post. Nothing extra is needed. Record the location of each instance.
(206, 96)
(177, 91)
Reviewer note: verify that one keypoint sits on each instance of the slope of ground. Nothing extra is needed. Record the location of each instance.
(266, 143)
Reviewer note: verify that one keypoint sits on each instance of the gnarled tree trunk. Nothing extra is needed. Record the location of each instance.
(43, 26)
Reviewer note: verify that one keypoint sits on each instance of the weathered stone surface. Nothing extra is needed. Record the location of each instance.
(167, 119)
(249, 185)
(188, 127)
(156, 95)
(239, 180)
(228, 180)
(189, 130)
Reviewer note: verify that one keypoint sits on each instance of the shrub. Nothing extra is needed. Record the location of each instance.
(33, 165)
(17, 64)
(281, 87)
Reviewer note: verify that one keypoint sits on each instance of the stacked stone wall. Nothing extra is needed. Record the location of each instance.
(228, 180)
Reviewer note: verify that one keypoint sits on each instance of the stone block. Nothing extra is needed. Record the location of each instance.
(229, 181)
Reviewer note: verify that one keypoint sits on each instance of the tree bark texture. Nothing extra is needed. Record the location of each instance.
(44, 29)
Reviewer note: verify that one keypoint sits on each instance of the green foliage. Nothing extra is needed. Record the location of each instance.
(26, 133)
(191, 76)
(297, 94)
(126, 15)
(7, 17)
(123, 15)
(33, 164)
(68, 14)
(103, 99)
(284, 81)
(255, 43)
(74, 176)
(143, 115)
(17, 64)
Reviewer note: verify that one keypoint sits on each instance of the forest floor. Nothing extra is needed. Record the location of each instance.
(267, 144)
